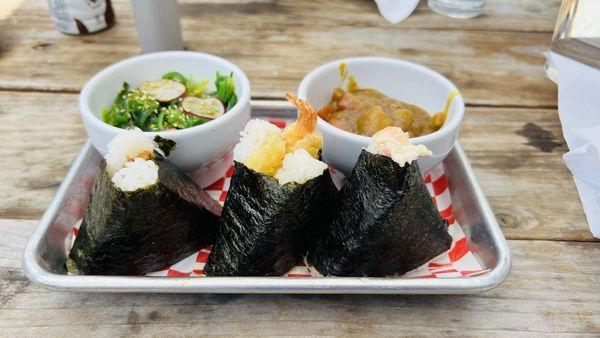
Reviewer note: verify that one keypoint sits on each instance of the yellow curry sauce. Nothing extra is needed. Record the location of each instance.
(366, 111)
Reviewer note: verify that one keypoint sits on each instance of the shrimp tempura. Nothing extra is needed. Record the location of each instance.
(303, 133)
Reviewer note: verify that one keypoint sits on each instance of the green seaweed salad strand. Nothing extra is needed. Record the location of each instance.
(135, 108)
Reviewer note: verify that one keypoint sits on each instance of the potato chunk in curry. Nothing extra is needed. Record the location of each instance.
(365, 111)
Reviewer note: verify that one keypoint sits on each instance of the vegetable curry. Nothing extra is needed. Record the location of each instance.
(365, 111)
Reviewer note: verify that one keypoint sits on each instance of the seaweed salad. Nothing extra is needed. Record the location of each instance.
(278, 192)
(174, 102)
(143, 214)
(384, 222)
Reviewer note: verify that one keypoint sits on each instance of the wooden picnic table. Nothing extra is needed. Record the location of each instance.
(511, 133)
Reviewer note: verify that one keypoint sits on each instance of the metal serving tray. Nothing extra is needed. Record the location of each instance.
(46, 251)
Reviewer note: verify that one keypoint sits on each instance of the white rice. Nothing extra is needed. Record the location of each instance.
(135, 175)
(125, 146)
(254, 135)
(299, 167)
(395, 143)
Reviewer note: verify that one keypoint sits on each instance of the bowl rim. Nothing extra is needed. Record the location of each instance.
(449, 127)
(95, 80)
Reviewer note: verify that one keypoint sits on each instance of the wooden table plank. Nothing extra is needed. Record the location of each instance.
(522, 182)
(504, 15)
(517, 156)
(43, 133)
(513, 139)
(552, 289)
(491, 68)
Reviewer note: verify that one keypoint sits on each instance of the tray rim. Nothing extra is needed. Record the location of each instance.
(329, 285)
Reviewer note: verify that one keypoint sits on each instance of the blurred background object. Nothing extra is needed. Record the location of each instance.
(574, 64)
(576, 34)
(158, 26)
(462, 9)
(80, 17)
(395, 11)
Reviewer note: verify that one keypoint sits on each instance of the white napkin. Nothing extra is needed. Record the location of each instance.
(579, 111)
(395, 11)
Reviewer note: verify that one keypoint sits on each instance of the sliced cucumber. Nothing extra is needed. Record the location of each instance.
(164, 90)
(210, 108)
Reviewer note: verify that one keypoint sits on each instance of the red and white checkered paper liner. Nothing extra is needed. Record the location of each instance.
(459, 261)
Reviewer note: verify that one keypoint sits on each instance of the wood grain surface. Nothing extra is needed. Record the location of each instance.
(511, 134)
(491, 64)
(542, 296)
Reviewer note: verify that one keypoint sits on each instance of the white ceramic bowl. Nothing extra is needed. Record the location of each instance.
(396, 78)
(204, 150)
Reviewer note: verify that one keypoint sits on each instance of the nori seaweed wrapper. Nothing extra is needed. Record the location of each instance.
(265, 228)
(135, 232)
(383, 222)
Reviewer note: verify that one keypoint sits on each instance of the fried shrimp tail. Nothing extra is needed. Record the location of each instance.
(303, 133)
(307, 119)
